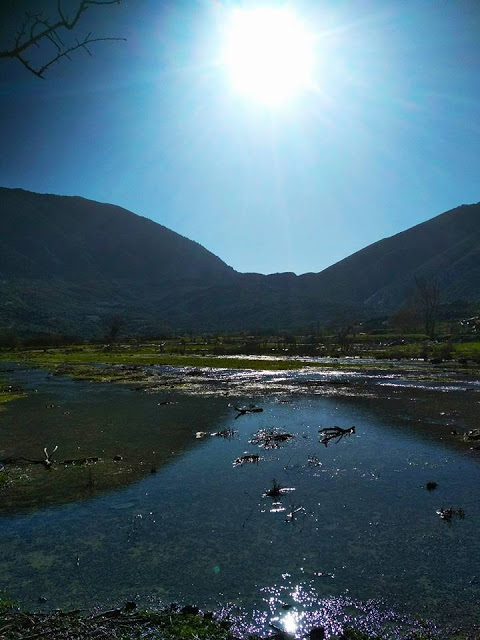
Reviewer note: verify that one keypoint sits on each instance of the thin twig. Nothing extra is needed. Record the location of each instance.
(36, 29)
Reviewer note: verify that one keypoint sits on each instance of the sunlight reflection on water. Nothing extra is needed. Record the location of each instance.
(200, 530)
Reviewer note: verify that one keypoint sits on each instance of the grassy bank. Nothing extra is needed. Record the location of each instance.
(91, 354)
(9, 393)
(154, 355)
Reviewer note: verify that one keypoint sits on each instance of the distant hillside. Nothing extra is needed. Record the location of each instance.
(48, 236)
(383, 274)
(67, 264)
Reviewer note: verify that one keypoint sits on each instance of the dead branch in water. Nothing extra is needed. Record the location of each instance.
(270, 438)
(47, 462)
(292, 516)
(335, 433)
(250, 409)
(276, 490)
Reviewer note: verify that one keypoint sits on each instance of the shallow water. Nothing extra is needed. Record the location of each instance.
(363, 525)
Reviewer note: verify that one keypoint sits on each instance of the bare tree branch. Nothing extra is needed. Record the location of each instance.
(37, 29)
(429, 295)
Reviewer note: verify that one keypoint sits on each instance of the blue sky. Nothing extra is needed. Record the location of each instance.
(388, 137)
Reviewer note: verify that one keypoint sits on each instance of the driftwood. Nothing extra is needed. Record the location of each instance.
(250, 409)
(334, 433)
(292, 516)
(223, 433)
(48, 462)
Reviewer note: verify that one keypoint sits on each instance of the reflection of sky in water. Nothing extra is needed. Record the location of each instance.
(200, 530)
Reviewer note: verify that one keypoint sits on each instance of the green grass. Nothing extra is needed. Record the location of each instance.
(93, 355)
(8, 397)
(6, 604)
(468, 349)
(9, 393)
(154, 354)
(445, 351)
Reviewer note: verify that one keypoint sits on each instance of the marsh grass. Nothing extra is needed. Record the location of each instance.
(93, 356)
(197, 354)
(9, 393)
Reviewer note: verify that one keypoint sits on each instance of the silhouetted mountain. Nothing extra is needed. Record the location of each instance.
(383, 274)
(67, 263)
(48, 236)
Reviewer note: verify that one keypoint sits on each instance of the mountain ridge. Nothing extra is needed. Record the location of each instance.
(102, 241)
(406, 251)
(67, 262)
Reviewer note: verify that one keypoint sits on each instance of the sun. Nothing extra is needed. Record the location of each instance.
(268, 54)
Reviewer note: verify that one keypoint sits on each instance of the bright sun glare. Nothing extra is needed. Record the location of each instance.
(268, 53)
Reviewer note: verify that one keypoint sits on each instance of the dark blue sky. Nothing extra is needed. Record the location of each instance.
(389, 136)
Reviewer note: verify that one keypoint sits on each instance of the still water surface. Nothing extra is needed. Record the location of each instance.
(200, 530)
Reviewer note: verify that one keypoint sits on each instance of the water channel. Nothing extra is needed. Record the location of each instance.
(172, 519)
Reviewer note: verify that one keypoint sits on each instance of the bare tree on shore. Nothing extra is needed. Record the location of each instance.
(428, 294)
(113, 325)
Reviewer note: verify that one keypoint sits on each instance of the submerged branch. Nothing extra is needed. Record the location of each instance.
(334, 433)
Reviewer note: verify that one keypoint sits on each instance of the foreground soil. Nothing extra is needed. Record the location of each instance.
(128, 623)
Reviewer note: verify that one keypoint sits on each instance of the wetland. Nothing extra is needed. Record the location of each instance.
(304, 533)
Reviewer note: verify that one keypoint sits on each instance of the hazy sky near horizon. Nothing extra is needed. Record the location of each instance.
(387, 136)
